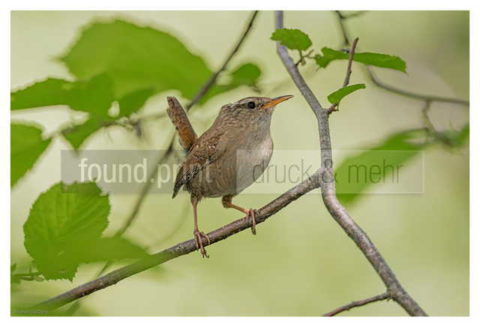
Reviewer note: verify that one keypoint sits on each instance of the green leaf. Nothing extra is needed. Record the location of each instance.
(338, 95)
(78, 134)
(136, 58)
(60, 218)
(293, 39)
(381, 60)
(94, 96)
(49, 92)
(457, 138)
(244, 75)
(124, 62)
(27, 146)
(395, 150)
(328, 55)
(107, 249)
(368, 58)
(132, 102)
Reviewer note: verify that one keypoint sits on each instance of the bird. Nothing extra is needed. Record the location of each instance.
(227, 158)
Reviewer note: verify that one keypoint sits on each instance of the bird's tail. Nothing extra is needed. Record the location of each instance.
(179, 181)
(179, 118)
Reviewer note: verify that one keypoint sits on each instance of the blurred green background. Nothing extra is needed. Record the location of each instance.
(301, 262)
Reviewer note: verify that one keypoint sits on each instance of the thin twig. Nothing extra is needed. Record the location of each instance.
(213, 78)
(342, 15)
(426, 119)
(343, 30)
(334, 106)
(308, 55)
(432, 131)
(341, 18)
(356, 304)
(432, 98)
(350, 61)
(180, 249)
(353, 14)
(327, 181)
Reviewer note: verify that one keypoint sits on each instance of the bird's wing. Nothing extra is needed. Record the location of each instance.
(208, 148)
(179, 118)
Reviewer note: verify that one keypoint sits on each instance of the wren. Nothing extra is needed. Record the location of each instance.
(231, 155)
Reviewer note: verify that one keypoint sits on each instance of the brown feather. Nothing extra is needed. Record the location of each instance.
(204, 151)
(179, 118)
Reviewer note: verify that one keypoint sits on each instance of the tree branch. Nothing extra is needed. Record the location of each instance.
(378, 82)
(179, 249)
(356, 304)
(327, 183)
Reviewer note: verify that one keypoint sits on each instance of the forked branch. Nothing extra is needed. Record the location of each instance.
(327, 184)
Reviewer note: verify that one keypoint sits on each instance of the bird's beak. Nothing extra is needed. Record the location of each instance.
(275, 101)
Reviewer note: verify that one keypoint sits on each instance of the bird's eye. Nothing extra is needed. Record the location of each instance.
(251, 104)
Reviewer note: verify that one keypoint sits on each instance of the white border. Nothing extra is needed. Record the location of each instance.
(5, 162)
(6, 6)
(237, 5)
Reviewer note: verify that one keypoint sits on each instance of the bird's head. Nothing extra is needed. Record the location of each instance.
(252, 108)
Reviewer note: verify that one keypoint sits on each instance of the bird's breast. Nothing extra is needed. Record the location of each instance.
(251, 162)
(238, 168)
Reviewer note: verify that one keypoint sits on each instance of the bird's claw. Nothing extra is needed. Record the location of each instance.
(251, 214)
(199, 242)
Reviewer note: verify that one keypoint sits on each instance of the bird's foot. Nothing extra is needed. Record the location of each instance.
(251, 214)
(199, 242)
